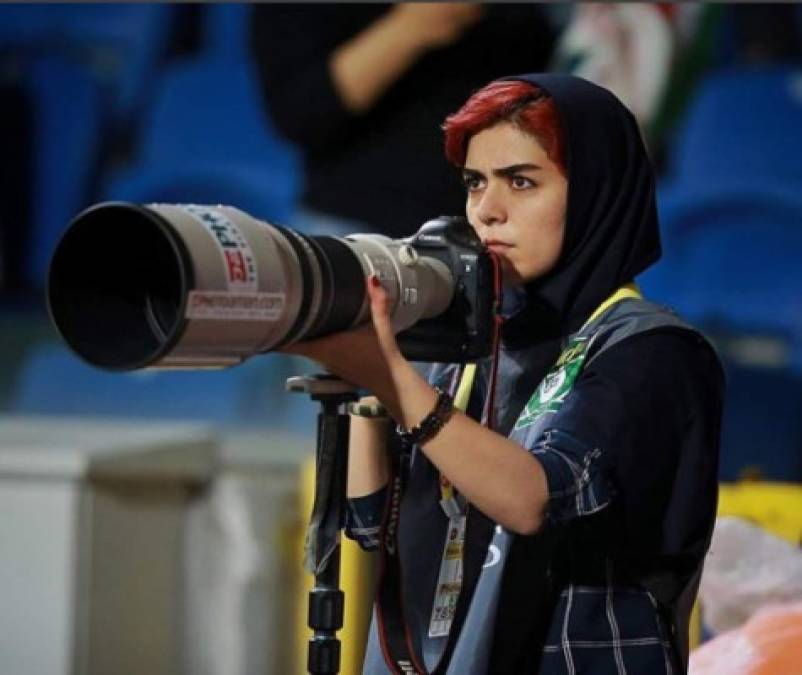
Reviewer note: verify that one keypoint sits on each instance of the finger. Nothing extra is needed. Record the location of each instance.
(380, 308)
(380, 303)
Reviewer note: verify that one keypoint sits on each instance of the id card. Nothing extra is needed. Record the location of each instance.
(449, 580)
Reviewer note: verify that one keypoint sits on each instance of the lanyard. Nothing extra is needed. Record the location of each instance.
(630, 290)
(447, 497)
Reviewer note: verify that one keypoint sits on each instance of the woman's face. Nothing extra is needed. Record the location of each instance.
(516, 200)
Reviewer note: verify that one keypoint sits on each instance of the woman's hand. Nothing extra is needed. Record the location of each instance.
(367, 356)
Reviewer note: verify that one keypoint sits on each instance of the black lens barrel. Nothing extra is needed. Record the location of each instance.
(343, 286)
(117, 286)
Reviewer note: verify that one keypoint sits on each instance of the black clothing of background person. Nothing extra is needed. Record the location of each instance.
(384, 167)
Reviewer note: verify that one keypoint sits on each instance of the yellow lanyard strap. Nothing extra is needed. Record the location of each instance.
(626, 291)
(464, 388)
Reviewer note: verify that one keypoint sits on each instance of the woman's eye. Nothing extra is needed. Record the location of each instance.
(521, 182)
(472, 183)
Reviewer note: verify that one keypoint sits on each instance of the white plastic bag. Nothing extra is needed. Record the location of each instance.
(747, 568)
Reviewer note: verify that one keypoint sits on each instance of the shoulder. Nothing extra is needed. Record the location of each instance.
(646, 371)
(674, 365)
(653, 336)
(654, 385)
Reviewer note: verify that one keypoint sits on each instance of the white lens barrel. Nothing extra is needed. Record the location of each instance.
(419, 287)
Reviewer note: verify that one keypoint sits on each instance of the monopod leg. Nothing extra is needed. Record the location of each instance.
(326, 600)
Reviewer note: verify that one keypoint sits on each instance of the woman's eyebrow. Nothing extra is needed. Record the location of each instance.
(507, 171)
(502, 172)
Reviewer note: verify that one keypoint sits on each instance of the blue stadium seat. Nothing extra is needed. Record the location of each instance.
(731, 208)
(733, 257)
(24, 24)
(207, 139)
(67, 128)
(741, 138)
(53, 381)
(741, 129)
(121, 43)
(225, 30)
(762, 426)
(731, 220)
(86, 68)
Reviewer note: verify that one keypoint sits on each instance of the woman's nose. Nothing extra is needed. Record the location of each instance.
(491, 209)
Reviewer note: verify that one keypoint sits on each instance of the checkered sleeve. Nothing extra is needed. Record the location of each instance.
(363, 518)
(576, 475)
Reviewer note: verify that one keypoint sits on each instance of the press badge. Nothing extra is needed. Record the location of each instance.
(449, 580)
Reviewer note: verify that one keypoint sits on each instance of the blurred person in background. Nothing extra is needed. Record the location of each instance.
(362, 90)
(559, 524)
(652, 55)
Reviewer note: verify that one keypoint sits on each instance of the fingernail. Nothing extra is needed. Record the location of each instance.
(374, 280)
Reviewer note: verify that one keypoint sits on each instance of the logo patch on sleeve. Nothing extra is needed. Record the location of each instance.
(551, 393)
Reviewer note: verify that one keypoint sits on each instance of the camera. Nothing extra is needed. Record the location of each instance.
(191, 286)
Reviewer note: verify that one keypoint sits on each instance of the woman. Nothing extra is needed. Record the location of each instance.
(601, 469)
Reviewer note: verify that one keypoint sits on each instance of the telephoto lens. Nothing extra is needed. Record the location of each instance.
(192, 286)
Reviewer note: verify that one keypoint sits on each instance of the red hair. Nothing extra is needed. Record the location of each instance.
(520, 103)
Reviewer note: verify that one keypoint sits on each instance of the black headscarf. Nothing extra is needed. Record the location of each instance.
(611, 231)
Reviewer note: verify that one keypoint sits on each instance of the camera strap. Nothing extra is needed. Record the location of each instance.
(393, 632)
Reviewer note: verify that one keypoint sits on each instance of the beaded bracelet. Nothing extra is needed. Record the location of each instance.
(432, 423)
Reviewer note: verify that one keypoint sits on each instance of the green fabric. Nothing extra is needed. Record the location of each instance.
(551, 392)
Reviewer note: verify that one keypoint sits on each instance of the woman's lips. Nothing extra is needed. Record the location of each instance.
(497, 246)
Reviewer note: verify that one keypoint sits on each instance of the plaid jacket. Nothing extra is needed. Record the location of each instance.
(632, 448)
(595, 629)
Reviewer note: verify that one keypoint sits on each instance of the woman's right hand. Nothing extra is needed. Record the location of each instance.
(367, 356)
